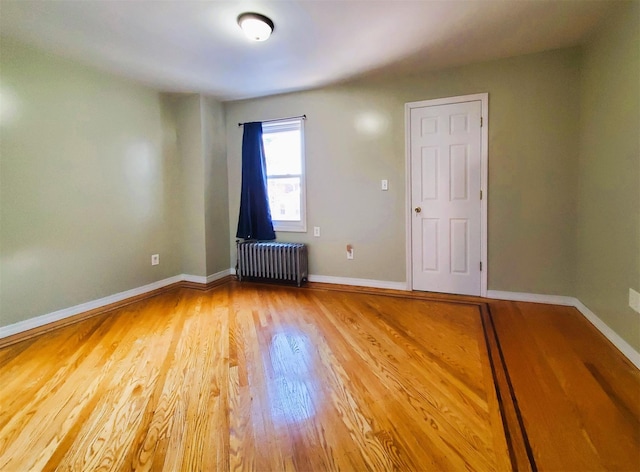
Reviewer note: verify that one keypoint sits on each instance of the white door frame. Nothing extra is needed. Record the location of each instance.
(484, 181)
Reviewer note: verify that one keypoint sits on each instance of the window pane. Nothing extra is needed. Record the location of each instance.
(282, 152)
(284, 199)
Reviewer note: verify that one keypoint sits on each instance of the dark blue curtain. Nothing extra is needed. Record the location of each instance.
(254, 221)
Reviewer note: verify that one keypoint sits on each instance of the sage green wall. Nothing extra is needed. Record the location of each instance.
(343, 169)
(216, 192)
(204, 218)
(355, 137)
(608, 227)
(192, 171)
(88, 170)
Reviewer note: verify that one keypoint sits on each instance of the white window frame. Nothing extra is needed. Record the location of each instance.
(288, 125)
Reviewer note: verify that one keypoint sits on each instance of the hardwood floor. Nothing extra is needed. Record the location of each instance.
(258, 377)
(579, 397)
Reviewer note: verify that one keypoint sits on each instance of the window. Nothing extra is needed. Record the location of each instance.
(284, 154)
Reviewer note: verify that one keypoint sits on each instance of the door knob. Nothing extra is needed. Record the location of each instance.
(418, 209)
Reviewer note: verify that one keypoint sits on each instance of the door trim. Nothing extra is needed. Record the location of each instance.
(484, 179)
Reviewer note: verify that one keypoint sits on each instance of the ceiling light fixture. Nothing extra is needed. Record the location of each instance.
(257, 27)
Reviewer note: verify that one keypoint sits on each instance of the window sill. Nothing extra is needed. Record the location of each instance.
(289, 228)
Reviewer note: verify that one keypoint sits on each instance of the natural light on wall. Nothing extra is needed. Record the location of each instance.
(141, 170)
(9, 106)
(371, 123)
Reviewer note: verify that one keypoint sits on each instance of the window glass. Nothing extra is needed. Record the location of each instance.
(282, 151)
(284, 155)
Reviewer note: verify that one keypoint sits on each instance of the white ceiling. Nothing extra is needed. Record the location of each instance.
(196, 46)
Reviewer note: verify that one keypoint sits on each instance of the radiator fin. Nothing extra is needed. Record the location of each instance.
(273, 261)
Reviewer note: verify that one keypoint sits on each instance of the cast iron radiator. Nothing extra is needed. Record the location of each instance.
(274, 261)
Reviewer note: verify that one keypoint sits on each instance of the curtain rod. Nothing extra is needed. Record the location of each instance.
(304, 117)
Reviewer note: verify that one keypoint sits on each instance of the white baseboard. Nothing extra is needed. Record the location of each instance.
(36, 322)
(201, 279)
(327, 279)
(624, 347)
(218, 275)
(58, 315)
(531, 297)
(198, 279)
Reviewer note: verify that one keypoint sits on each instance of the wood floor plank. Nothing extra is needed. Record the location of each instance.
(61, 406)
(376, 359)
(600, 412)
(110, 428)
(29, 372)
(518, 442)
(557, 393)
(604, 363)
(375, 395)
(260, 377)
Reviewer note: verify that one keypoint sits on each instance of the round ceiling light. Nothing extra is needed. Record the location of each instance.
(257, 27)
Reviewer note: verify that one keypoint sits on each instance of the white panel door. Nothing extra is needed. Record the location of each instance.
(445, 146)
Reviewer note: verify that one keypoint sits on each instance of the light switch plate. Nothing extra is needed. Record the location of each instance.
(384, 184)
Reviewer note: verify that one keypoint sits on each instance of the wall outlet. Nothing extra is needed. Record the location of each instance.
(349, 252)
(155, 259)
(384, 184)
(634, 300)
(316, 231)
